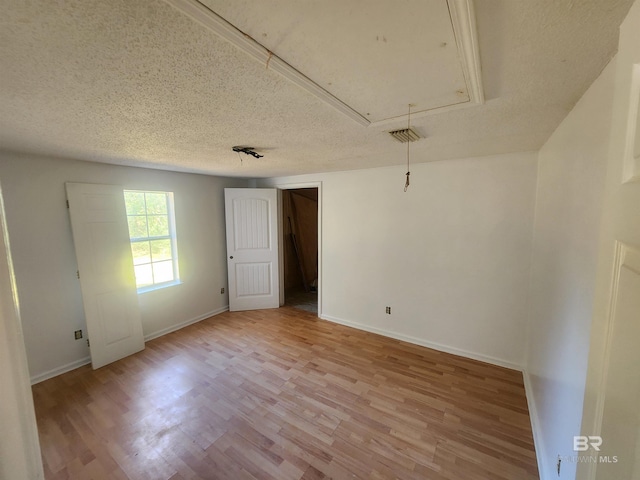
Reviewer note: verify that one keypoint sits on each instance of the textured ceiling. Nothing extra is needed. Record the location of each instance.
(138, 83)
(374, 65)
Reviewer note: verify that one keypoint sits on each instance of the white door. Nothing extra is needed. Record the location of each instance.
(252, 248)
(613, 381)
(107, 280)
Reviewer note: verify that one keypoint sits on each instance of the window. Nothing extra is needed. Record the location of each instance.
(152, 232)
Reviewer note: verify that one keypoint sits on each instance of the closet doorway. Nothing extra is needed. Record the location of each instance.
(300, 248)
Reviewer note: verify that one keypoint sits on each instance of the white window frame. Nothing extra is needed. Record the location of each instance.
(171, 218)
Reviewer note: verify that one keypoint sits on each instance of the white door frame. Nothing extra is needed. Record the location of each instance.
(19, 444)
(619, 253)
(293, 186)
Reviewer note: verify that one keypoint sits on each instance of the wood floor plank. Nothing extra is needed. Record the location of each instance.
(280, 394)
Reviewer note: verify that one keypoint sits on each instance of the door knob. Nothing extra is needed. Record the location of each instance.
(231, 257)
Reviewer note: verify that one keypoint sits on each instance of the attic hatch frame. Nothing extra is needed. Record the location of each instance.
(463, 21)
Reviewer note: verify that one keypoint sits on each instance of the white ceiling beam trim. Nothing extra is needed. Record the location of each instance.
(463, 18)
(424, 113)
(218, 25)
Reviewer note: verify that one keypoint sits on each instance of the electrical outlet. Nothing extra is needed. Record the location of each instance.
(78, 334)
(558, 464)
(222, 290)
(388, 310)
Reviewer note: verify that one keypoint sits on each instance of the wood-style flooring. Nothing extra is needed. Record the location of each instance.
(280, 394)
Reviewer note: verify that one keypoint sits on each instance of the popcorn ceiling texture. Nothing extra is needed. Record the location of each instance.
(138, 83)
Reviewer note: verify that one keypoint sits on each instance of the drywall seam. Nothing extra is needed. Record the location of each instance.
(425, 343)
(532, 255)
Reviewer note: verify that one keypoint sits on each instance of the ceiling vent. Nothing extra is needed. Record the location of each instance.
(405, 135)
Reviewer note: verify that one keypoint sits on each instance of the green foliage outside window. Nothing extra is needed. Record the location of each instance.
(152, 235)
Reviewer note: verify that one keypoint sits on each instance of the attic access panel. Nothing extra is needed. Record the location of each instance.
(373, 56)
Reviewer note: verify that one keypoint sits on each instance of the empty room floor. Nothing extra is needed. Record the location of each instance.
(280, 394)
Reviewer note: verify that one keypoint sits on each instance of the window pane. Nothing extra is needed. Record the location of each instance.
(163, 271)
(141, 252)
(156, 203)
(137, 227)
(134, 202)
(158, 225)
(160, 250)
(144, 275)
(148, 217)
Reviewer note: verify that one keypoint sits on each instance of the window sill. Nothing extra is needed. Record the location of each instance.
(159, 286)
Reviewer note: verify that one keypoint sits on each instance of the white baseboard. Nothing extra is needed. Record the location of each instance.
(425, 343)
(535, 428)
(41, 377)
(186, 323)
(54, 372)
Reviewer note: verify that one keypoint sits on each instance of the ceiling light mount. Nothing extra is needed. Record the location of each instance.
(248, 151)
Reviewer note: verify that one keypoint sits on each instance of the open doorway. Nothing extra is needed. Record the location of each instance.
(300, 248)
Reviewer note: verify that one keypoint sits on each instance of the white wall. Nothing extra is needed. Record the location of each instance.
(571, 179)
(44, 257)
(451, 256)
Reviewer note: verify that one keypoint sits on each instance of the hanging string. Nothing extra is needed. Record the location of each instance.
(406, 185)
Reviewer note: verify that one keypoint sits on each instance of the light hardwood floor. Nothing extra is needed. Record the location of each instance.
(277, 394)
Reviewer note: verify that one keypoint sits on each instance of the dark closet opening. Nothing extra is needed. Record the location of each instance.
(300, 229)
